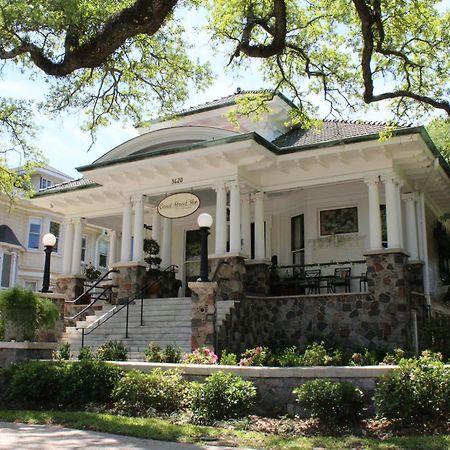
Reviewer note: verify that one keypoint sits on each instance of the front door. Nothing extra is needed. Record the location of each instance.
(192, 258)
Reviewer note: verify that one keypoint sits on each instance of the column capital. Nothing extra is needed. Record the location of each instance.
(219, 187)
(112, 233)
(233, 185)
(68, 221)
(245, 198)
(391, 178)
(137, 199)
(410, 197)
(258, 196)
(372, 179)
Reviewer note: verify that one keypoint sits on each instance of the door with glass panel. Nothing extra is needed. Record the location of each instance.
(298, 240)
(192, 258)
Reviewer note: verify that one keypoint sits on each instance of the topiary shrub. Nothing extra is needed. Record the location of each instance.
(221, 396)
(317, 354)
(112, 351)
(139, 394)
(418, 391)
(332, 402)
(22, 313)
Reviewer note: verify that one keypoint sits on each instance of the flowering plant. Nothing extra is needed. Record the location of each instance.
(201, 355)
(253, 357)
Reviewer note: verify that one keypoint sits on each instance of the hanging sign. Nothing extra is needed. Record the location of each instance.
(178, 205)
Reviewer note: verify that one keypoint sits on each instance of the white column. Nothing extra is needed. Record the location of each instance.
(138, 232)
(375, 240)
(68, 248)
(112, 248)
(423, 232)
(76, 253)
(221, 219)
(398, 197)
(260, 251)
(166, 248)
(246, 226)
(156, 226)
(411, 225)
(125, 250)
(235, 217)
(392, 215)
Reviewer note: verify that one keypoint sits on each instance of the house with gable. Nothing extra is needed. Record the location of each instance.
(321, 232)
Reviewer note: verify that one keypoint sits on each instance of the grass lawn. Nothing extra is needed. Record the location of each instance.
(164, 430)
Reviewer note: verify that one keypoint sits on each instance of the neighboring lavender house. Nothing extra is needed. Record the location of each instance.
(326, 232)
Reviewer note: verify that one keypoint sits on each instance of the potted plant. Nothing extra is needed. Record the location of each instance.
(92, 275)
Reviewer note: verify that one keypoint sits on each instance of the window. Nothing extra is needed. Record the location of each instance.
(44, 183)
(383, 226)
(102, 253)
(252, 240)
(55, 229)
(83, 248)
(298, 239)
(338, 221)
(6, 270)
(34, 233)
(31, 285)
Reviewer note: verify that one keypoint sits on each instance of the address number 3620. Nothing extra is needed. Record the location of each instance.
(177, 180)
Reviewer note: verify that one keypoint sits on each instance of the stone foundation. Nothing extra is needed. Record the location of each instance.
(129, 280)
(203, 314)
(70, 286)
(229, 272)
(257, 280)
(12, 352)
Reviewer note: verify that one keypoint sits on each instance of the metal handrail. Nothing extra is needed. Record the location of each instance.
(94, 325)
(93, 286)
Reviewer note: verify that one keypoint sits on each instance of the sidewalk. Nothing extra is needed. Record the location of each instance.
(16, 436)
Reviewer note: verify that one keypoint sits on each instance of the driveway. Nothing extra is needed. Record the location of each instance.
(17, 436)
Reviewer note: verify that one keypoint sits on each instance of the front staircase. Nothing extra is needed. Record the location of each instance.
(165, 321)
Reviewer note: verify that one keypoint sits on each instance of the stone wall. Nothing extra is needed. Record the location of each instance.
(229, 273)
(129, 280)
(275, 384)
(12, 352)
(70, 286)
(257, 280)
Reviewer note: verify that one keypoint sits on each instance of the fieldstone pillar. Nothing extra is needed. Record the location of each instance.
(221, 219)
(203, 314)
(138, 232)
(375, 240)
(235, 217)
(68, 248)
(393, 212)
(411, 225)
(129, 280)
(166, 248)
(156, 226)
(125, 251)
(260, 251)
(246, 225)
(76, 252)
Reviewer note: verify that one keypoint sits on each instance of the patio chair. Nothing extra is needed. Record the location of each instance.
(363, 282)
(341, 278)
(311, 281)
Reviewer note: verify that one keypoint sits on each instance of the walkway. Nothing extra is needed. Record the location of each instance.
(16, 436)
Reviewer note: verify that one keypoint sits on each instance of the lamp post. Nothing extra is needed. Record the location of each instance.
(204, 221)
(49, 241)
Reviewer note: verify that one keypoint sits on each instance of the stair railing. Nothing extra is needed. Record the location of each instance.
(140, 294)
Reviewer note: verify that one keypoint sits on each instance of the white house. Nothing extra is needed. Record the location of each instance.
(321, 198)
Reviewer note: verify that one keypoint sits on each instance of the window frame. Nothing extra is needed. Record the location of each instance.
(38, 248)
(99, 254)
(44, 183)
(57, 246)
(293, 251)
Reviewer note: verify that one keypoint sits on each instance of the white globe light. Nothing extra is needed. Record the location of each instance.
(49, 240)
(204, 220)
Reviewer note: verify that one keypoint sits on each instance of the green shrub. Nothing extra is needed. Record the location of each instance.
(22, 313)
(89, 381)
(395, 356)
(200, 356)
(173, 354)
(288, 357)
(41, 384)
(257, 356)
(317, 354)
(62, 353)
(138, 393)
(221, 396)
(153, 353)
(331, 402)
(365, 358)
(228, 359)
(112, 351)
(85, 353)
(418, 391)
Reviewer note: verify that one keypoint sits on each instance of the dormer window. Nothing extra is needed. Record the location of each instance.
(44, 183)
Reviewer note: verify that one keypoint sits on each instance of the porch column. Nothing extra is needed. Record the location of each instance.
(260, 251)
(375, 240)
(393, 216)
(156, 226)
(76, 253)
(125, 251)
(246, 226)
(235, 217)
(221, 219)
(166, 248)
(411, 225)
(68, 247)
(112, 248)
(138, 232)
